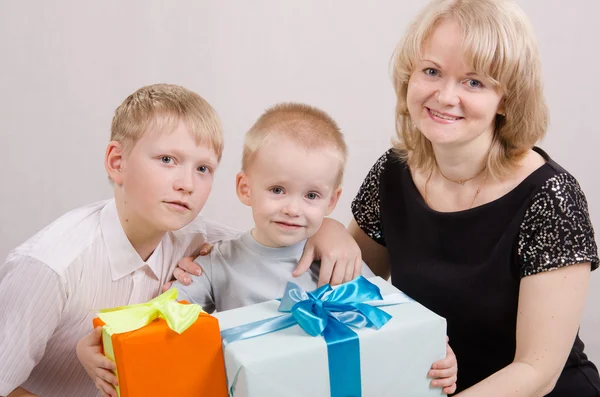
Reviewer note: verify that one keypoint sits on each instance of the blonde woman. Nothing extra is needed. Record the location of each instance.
(469, 217)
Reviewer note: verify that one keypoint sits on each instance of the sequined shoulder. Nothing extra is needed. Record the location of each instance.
(366, 203)
(556, 230)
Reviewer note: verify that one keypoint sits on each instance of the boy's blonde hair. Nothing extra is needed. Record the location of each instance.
(500, 44)
(159, 108)
(309, 127)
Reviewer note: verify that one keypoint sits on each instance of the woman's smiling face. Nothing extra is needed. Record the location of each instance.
(448, 102)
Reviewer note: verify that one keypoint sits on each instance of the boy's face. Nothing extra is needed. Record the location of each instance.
(290, 189)
(165, 180)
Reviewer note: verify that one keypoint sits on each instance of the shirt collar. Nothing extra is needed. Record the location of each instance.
(291, 251)
(122, 257)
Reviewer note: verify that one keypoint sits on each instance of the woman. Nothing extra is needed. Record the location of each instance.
(472, 220)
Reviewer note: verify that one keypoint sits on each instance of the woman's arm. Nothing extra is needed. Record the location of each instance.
(375, 255)
(549, 312)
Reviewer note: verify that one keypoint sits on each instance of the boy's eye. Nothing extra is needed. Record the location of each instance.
(431, 72)
(276, 190)
(203, 169)
(312, 196)
(166, 159)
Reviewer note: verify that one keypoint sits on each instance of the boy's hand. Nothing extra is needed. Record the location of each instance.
(97, 366)
(339, 254)
(445, 372)
(186, 266)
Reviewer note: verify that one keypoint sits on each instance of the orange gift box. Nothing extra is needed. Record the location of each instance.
(155, 360)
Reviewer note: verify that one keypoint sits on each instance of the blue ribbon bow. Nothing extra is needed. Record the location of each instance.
(328, 312)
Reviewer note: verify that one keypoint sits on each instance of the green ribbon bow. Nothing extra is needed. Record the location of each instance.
(129, 318)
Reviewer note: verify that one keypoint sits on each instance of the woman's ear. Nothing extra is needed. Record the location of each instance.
(501, 108)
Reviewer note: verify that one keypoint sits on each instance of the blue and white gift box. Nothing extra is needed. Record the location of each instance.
(361, 339)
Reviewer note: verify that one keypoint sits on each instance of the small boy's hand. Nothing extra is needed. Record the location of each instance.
(97, 366)
(445, 372)
(186, 266)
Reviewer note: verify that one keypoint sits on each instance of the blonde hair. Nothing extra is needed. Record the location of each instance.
(309, 127)
(499, 44)
(159, 108)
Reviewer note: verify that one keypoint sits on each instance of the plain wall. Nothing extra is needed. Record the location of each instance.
(66, 65)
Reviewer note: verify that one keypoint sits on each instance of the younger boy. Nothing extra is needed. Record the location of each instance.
(166, 142)
(292, 168)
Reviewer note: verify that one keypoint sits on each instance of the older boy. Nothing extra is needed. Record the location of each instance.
(166, 142)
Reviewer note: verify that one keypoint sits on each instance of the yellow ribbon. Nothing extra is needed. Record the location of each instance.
(129, 318)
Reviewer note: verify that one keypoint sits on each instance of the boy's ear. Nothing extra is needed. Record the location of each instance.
(242, 188)
(113, 162)
(335, 196)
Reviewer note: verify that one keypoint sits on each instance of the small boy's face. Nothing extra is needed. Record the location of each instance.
(164, 180)
(290, 189)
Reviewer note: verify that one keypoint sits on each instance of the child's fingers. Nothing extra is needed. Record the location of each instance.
(94, 338)
(182, 276)
(166, 286)
(106, 376)
(100, 361)
(97, 336)
(190, 266)
(205, 249)
(105, 388)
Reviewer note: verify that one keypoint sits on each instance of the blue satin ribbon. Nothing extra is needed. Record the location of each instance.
(328, 312)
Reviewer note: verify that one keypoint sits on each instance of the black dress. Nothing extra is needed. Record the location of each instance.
(466, 266)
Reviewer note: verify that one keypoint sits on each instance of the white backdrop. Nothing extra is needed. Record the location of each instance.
(66, 65)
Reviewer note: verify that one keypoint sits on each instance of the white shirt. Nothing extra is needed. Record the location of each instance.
(52, 285)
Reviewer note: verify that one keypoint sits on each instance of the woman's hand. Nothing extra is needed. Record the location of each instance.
(444, 372)
(339, 254)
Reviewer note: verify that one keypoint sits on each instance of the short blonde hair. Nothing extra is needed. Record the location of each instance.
(159, 108)
(308, 126)
(500, 44)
